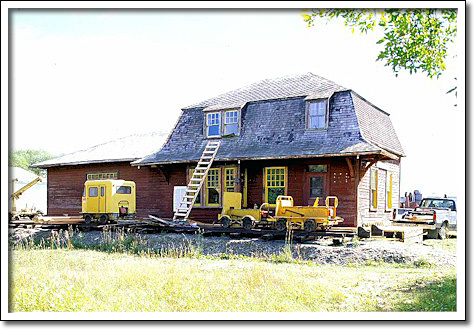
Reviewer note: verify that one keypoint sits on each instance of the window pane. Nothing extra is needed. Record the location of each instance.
(321, 122)
(102, 191)
(321, 108)
(93, 191)
(231, 117)
(212, 196)
(315, 187)
(313, 109)
(273, 193)
(213, 131)
(231, 129)
(124, 190)
(318, 168)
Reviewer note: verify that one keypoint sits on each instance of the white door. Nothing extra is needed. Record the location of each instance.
(178, 196)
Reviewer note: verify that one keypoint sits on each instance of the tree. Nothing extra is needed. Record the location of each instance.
(25, 158)
(413, 39)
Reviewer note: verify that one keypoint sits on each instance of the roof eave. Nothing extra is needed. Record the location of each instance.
(61, 164)
(302, 156)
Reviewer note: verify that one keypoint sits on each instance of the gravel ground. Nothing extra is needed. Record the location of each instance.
(320, 251)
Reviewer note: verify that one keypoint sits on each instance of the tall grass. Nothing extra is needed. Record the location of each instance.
(65, 280)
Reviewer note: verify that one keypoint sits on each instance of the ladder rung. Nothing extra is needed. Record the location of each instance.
(179, 214)
(194, 185)
(211, 157)
(203, 163)
(198, 174)
(181, 210)
(206, 151)
(196, 179)
(194, 191)
(189, 196)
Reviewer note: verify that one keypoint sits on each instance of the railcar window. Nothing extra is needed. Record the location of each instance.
(124, 190)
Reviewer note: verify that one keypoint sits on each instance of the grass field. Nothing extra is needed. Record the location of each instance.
(68, 280)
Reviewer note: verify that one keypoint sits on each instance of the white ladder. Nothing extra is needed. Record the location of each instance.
(197, 180)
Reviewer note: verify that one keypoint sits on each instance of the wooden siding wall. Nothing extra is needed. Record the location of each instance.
(154, 195)
(381, 215)
(340, 183)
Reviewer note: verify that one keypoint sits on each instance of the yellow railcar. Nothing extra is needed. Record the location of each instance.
(108, 200)
(281, 216)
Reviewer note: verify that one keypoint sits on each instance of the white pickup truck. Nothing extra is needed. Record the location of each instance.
(437, 216)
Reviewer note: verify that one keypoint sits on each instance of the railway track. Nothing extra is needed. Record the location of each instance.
(152, 227)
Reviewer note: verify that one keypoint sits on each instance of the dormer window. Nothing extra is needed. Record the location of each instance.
(228, 126)
(213, 124)
(317, 114)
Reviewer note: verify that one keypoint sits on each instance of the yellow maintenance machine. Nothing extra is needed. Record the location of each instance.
(108, 200)
(281, 216)
(23, 213)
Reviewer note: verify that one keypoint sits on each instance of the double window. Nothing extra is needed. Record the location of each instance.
(317, 114)
(215, 127)
(217, 180)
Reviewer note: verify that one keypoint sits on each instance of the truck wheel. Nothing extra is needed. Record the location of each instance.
(87, 219)
(280, 225)
(225, 222)
(309, 225)
(247, 223)
(103, 219)
(443, 231)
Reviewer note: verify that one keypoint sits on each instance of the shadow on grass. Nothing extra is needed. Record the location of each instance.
(439, 296)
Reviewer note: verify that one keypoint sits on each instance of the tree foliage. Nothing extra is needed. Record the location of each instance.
(413, 39)
(25, 158)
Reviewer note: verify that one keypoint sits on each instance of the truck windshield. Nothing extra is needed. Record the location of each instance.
(433, 203)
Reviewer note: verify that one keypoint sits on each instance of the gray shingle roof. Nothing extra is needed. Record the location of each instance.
(272, 129)
(277, 88)
(123, 149)
(375, 125)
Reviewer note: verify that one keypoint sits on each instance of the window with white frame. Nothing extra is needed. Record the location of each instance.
(213, 124)
(317, 112)
(231, 123)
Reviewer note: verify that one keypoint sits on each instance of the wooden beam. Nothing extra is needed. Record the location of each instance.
(351, 168)
(367, 167)
(165, 172)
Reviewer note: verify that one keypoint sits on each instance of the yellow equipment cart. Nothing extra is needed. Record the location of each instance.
(281, 216)
(108, 200)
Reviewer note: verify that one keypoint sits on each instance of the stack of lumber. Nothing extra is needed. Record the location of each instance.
(59, 220)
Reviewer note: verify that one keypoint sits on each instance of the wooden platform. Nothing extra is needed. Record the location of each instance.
(410, 234)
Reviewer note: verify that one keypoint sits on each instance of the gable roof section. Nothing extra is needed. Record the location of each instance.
(123, 149)
(375, 125)
(278, 88)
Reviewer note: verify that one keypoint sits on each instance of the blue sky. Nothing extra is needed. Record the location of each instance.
(85, 77)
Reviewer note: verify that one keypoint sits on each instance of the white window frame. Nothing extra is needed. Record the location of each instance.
(208, 115)
(326, 113)
(235, 121)
(222, 122)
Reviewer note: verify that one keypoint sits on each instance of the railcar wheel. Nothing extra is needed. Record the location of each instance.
(225, 222)
(280, 225)
(309, 225)
(87, 219)
(247, 223)
(103, 219)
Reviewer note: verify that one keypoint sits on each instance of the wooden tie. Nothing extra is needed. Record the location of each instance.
(197, 180)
